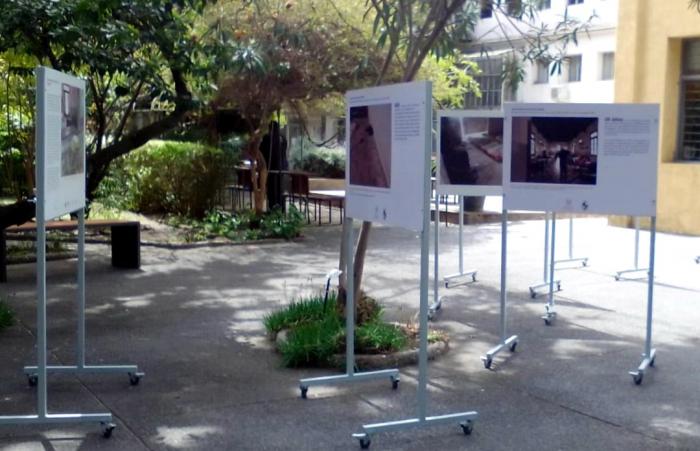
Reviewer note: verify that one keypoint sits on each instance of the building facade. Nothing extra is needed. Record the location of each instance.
(586, 75)
(659, 42)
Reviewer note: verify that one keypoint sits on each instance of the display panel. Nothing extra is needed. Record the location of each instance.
(597, 158)
(386, 153)
(60, 142)
(470, 153)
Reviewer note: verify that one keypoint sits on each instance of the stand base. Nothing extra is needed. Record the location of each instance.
(392, 374)
(618, 275)
(132, 370)
(460, 279)
(464, 419)
(638, 375)
(510, 343)
(105, 420)
(550, 315)
(583, 260)
(435, 306)
(533, 289)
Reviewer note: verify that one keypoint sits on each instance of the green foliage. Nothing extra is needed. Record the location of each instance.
(321, 161)
(7, 316)
(166, 177)
(317, 333)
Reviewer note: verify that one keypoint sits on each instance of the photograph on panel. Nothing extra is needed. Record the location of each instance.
(561, 150)
(370, 145)
(72, 131)
(471, 150)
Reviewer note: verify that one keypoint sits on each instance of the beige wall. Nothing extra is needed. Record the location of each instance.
(648, 61)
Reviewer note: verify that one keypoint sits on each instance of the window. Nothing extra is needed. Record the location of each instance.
(542, 75)
(574, 68)
(486, 9)
(490, 85)
(608, 66)
(575, 2)
(544, 4)
(689, 139)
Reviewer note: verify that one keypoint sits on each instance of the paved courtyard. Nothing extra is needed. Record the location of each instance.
(192, 320)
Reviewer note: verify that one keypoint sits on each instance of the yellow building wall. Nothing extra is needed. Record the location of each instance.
(647, 70)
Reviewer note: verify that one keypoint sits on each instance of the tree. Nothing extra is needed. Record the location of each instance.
(132, 52)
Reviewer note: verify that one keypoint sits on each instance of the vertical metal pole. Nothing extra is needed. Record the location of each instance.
(349, 299)
(81, 290)
(571, 238)
(650, 288)
(425, 267)
(41, 250)
(636, 242)
(504, 239)
(436, 246)
(546, 246)
(461, 230)
(551, 260)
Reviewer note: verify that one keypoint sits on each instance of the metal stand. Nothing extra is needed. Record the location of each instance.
(550, 315)
(505, 342)
(572, 259)
(42, 416)
(461, 277)
(464, 419)
(81, 368)
(618, 275)
(545, 280)
(649, 356)
(350, 374)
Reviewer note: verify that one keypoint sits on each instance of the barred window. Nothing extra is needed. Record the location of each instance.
(689, 139)
(574, 68)
(490, 85)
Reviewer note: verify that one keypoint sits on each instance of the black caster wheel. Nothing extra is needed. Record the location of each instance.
(559, 287)
(547, 321)
(365, 442)
(617, 278)
(467, 427)
(473, 277)
(107, 429)
(134, 379)
(32, 380)
(638, 378)
(652, 362)
(304, 390)
(395, 383)
(513, 346)
(533, 295)
(447, 285)
(585, 263)
(487, 363)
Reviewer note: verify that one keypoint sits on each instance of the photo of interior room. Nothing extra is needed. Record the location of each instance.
(554, 150)
(471, 150)
(370, 145)
(72, 131)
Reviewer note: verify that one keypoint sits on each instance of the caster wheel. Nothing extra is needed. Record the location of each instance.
(473, 277)
(32, 380)
(638, 378)
(513, 346)
(134, 379)
(487, 363)
(395, 383)
(617, 278)
(585, 263)
(652, 362)
(533, 295)
(547, 321)
(447, 285)
(559, 287)
(303, 391)
(365, 442)
(467, 427)
(107, 429)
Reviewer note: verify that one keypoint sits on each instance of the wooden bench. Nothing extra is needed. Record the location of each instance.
(126, 240)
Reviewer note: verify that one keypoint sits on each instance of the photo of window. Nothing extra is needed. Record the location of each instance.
(370, 145)
(471, 150)
(72, 131)
(560, 150)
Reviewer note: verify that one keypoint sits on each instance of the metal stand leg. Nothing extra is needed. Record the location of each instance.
(437, 299)
(649, 356)
(461, 277)
(572, 259)
(81, 368)
(545, 279)
(550, 315)
(505, 342)
(618, 275)
(464, 419)
(350, 374)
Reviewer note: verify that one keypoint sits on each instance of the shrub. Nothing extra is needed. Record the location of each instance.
(322, 161)
(179, 178)
(7, 317)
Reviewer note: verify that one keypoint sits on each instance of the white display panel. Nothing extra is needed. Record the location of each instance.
(60, 142)
(586, 158)
(387, 133)
(470, 152)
